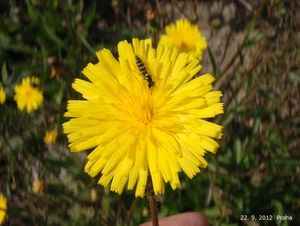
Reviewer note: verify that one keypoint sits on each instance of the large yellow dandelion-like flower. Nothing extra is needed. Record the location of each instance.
(2, 95)
(50, 137)
(3, 207)
(141, 114)
(186, 37)
(27, 96)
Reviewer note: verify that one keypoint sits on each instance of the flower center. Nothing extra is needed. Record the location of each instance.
(28, 93)
(147, 113)
(184, 46)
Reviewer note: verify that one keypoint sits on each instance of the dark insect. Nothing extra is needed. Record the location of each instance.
(141, 66)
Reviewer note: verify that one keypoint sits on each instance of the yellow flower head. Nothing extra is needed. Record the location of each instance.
(38, 186)
(50, 136)
(2, 95)
(3, 207)
(143, 113)
(186, 37)
(27, 96)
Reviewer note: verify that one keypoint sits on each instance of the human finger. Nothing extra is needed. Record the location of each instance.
(183, 219)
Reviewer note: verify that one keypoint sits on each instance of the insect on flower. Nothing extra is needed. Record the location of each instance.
(142, 68)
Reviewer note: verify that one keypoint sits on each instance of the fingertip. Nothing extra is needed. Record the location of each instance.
(183, 219)
(198, 219)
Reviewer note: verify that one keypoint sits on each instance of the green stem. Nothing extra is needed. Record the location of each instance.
(152, 204)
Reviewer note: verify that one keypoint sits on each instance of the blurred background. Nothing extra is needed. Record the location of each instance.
(254, 52)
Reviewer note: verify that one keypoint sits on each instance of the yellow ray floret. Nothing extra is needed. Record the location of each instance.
(136, 130)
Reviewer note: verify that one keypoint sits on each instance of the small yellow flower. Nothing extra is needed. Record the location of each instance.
(38, 186)
(143, 115)
(50, 137)
(186, 37)
(54, 73)
(27, 96)
(2, 95)
(3, 207)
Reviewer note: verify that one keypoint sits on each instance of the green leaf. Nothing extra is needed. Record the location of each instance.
(256, 125)
(216, 68)
(295, 78)
(241, 56)
(52, 36)
(4, 39)
(4, 72)
(254, 40)
(211, 212)
(85, 43)
(238, 151)
(89, 15)
(286, 161)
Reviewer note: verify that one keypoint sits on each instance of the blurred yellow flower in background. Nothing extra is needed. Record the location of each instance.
(2, 95)
(38, 186)
(186, 37)
(3, 207)
(54, 73)
(50, 137)
(136, 127)
(27, 96)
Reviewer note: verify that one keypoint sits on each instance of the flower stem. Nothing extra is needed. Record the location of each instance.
(152, 204)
